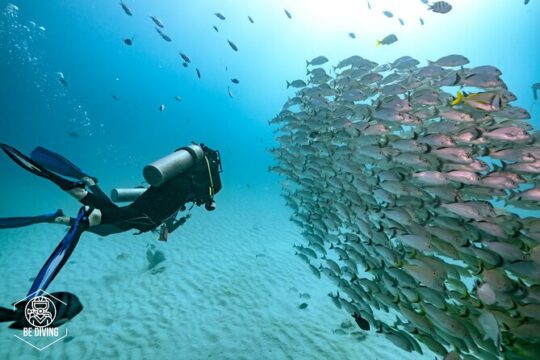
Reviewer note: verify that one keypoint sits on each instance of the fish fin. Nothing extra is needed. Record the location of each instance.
(307, 63)
(458, 99)
(458, 79)
(288, 84)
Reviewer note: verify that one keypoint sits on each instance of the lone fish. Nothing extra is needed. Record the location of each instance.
(126, 9)
(389, 39)
(232, 45)
(441, 7)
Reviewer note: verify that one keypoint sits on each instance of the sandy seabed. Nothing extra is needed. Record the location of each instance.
(228, 289)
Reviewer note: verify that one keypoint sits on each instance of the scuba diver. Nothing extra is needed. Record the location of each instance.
(191, 174)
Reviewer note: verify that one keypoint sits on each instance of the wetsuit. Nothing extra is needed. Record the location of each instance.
(156, 206)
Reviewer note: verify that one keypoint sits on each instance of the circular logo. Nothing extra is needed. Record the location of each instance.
(40, 312)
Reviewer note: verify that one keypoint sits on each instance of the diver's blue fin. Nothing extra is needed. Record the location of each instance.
(39, 170)
(61, 254)
(14, 222)
(58, 164)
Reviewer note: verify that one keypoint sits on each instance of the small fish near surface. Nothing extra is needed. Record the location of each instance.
(215, 28)
(161, 108)
(126, 9)
(287, 13)
(163, 35)
(441, 7)
(67, 306)
(387, 40)
(184, 57)
(352, 35)
(232, 45)
(128, 41)
(220, 16)
(229, 92)
(388, 14)
(178, 98)
(157, 21)
(235, 81)
(251, 20)
(198, 73)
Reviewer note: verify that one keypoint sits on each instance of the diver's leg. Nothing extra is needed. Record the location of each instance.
(15, 222)
(86, 218)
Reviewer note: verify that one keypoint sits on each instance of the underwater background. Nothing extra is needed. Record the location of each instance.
(229, 285)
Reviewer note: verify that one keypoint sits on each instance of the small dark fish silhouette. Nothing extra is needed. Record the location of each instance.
(185, 57)
(128, 41)
(157, 21)
(421, 21)
(362, 323)
(115, 98)
(126, 9)
(352, 35)
(163, 35)
(215, 28)
(220, 16)
(233, 46)
(287, 13)
(251, 20)
(198, 73)
(229, 92)
(303, 306)
(235, 81)
(73, 134)
(185, 64)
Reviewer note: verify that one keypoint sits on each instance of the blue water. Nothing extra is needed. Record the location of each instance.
(83, 40)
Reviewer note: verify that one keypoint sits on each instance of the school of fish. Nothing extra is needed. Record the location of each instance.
(407, 181)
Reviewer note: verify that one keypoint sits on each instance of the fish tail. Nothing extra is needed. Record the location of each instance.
(458, 99)
(307, 63)
(7, 314)
(288, 84)
(378, 43)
